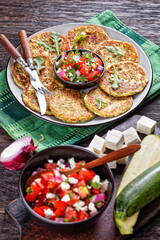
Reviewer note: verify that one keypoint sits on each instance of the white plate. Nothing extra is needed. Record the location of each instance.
(113, 34)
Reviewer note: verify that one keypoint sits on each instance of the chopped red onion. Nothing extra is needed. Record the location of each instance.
(61, 73)
(17, 153)
(57, 175)
(98, 198)
(59, 219)
(78, 73)
(100, 68)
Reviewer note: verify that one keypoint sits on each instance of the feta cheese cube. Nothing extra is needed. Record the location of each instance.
(80, 206)
(63, 177)
(104, 186)
(50, 161)
(112, 164)
(96, 179)
(98, 144)
(122, 161)
(72, 180)
(114, 139)
(65, 198)
(65, 186)
(48, 213)
(50, 195)
(72, 163)
(146, 125)
(131, 136)
(90, 149)
(75, 190)
(92, 209)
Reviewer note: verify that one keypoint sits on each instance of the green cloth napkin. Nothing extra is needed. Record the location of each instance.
(18, 122)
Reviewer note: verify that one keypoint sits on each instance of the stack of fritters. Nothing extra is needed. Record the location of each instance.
(122, 79)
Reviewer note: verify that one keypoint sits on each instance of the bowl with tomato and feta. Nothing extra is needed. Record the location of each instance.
(79, 68)
(59, 202)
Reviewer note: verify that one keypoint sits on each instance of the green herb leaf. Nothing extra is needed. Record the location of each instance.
(77, 53)
(55, 38)
(82, 78)
(73, 218)
(72, 74)
(80, 38)
(115, 81)
(60, 64)
(80, 163)
(98, 204)
(38, 61)
(100, 103)
(95, 185)
(115, 51)
(29, 190)
(66, 220)
(45, 45)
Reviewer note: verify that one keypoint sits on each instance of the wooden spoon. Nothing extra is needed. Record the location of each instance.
(95, 163)
(108, 158)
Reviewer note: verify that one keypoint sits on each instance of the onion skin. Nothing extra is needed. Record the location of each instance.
(17, 160)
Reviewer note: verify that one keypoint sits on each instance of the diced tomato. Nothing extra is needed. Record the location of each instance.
(50, 166)
(93, 75)
(71, 215)
(78, 65)
(32, 192)
(74, 175)
(70, 61)
(44, 191)
(60, 205)
(73, 199)
(86, 174)
(40, 200)
(49, 177)
(42, 208)
(59, 213)
(83, 192)
(80, 163)
(38, 211)
(64, 66)
(84, 70)
(40, 183)
(63, 193)
(82, 215)
(66, 78)
(80, 183)
(95, 191)
(98, 60)
(52, 185)
(87, 201)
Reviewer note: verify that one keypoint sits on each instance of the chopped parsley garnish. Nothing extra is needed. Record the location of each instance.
(29, 190)
(73, 218)
(56, 39)
(80, 163)
(66, 220)
(100, 103)
(98, 204)
(95, 185)
(72, 74)
(38, 61)
(115, 51)
(82, 78)
(46, 46)
(115, 81)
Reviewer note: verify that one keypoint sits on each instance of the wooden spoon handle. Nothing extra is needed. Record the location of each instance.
(108, 158)
(9, 47)
(25, 44)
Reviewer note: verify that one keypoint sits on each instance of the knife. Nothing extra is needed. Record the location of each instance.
(28, 67)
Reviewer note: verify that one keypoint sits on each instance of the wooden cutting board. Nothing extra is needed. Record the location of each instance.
(104, 229)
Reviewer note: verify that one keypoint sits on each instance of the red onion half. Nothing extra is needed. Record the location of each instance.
(17, 153)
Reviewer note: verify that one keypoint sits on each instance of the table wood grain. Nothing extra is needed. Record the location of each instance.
(34, 15)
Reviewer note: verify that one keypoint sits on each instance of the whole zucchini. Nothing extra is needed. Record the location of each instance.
(138, 193)
(146, 157)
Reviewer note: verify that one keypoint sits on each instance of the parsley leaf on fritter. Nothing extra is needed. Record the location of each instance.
(115, 51)
(38, 61)
(55, 38)
(114, 79)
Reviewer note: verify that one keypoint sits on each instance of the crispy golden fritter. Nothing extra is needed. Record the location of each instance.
(68, 105)
(86, 37)
(97, 101)
(123, 79)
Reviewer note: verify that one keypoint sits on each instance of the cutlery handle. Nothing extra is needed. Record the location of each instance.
(9, 47)
(25, 44)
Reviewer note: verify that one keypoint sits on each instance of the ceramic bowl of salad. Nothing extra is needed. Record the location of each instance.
(79, 68)
(65, 203)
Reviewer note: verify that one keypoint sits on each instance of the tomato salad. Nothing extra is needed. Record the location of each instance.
(79, 67)
(66, 198)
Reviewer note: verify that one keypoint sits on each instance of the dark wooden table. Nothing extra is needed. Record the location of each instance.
(34, 15)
